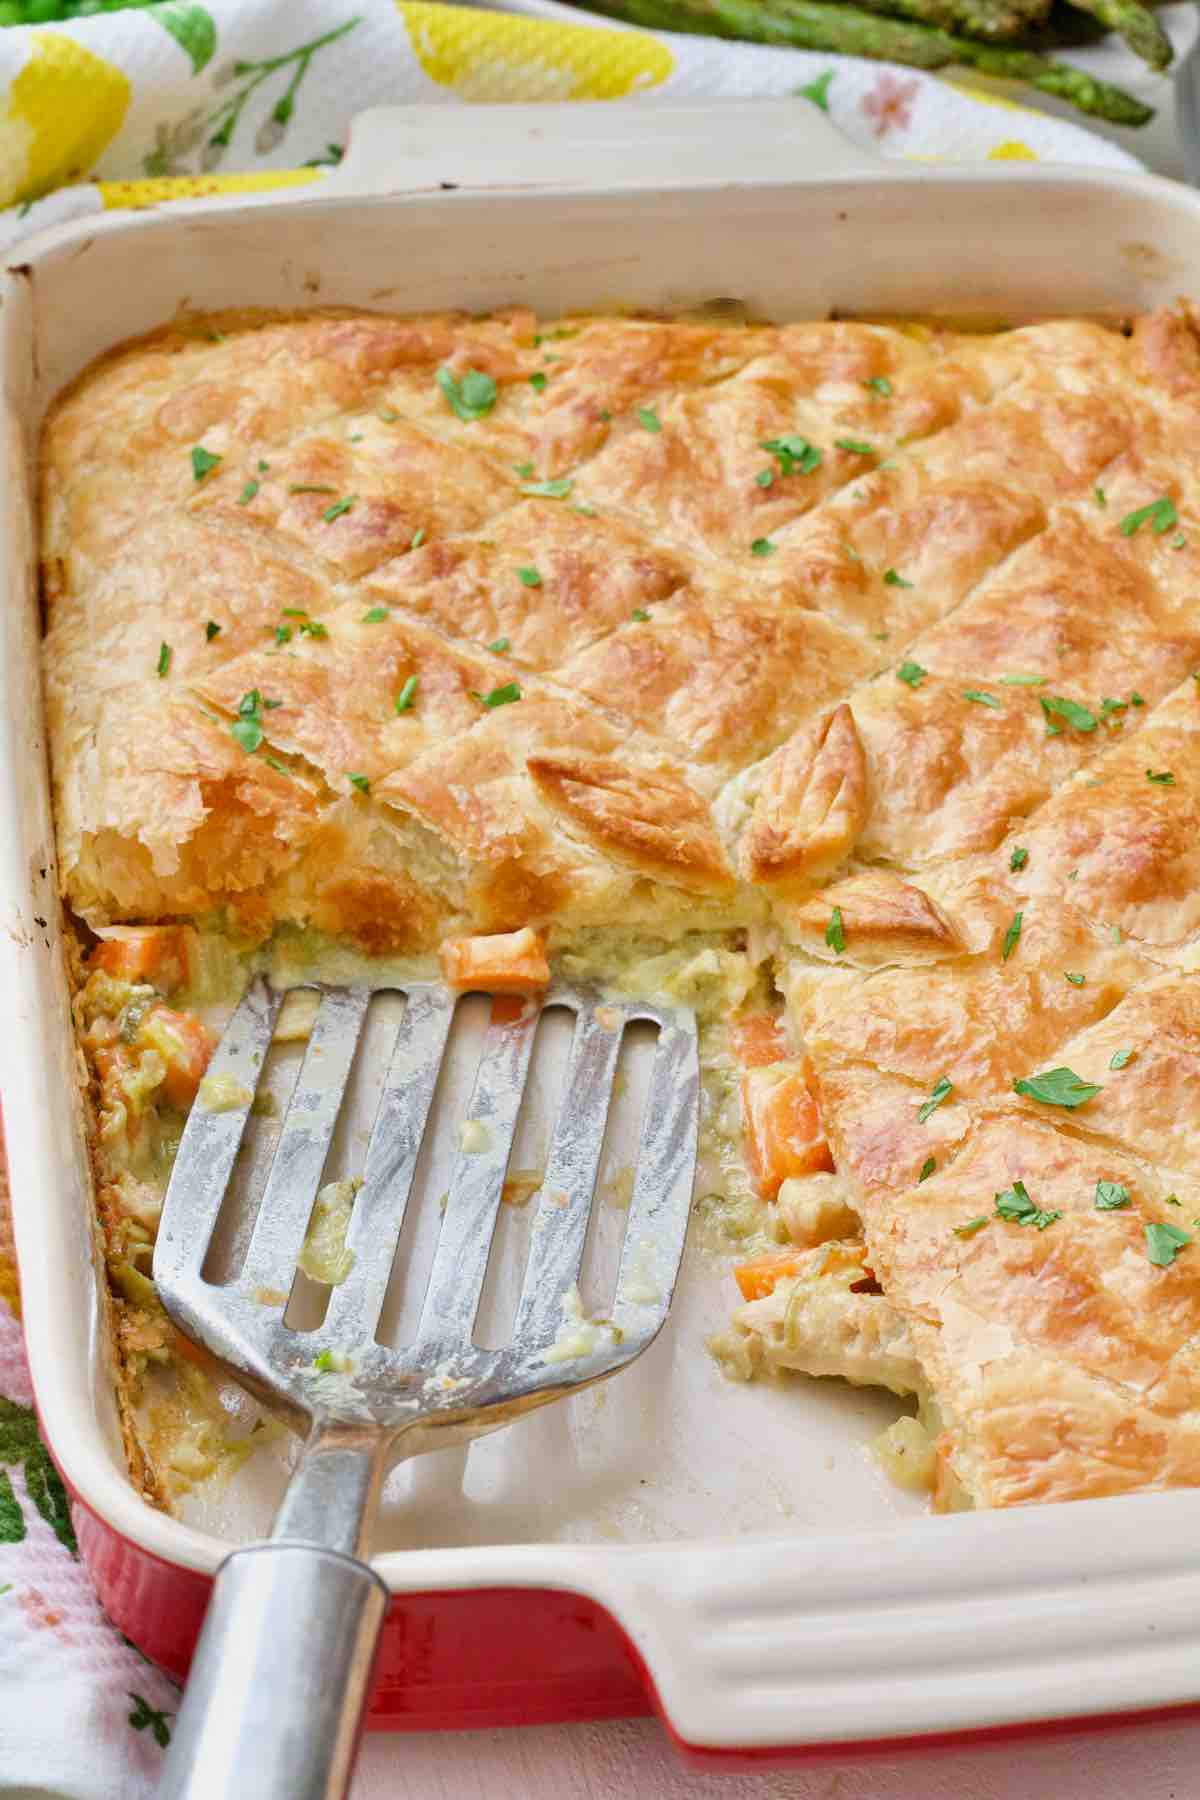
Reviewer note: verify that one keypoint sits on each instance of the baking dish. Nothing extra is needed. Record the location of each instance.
(725, 1556)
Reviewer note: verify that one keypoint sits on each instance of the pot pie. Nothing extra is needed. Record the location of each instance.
(838, 678)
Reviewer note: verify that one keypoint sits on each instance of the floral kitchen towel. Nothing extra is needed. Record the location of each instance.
(236, 95)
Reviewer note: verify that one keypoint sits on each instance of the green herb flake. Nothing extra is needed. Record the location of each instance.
(471, 398)
(203, 462)
(537, 381)
(649, 418)
(1179, 542)
(1120, 1059)
(835, 935)
(856, 447)
(1024, 680)
(1110, 1196)
(524, 470)
(211, 630)
(360, 782)
(970, 1226)
(310, 487)
(1163, 777)
(879, 384)
(640, 614)
(1016, 1208)
(765, 478)
(912, 673)
(499, 696)
(792, 454)
(1110, 708)
(1019, 857)
(247, 494)
(1011, 937)
(1101, 497)
(549, 490)
(418, 538)
(375, 616)
(762, 547)
(283, 634)
(1057, 1087)
(893, 579)
(1160, 515)
(164, 659)
(313, 628)
(1173, 1200)
(982, 699)
(1164, 1242)
(407, 694)
(1074, 979)
(1135, 699)
(388, 414)
(1055, 706)
(263, 467)
(500, 646)
(529, 576)
(339, 508)
(941, 1090)
(927, 1169)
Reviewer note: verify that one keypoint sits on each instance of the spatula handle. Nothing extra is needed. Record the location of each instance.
(280, 1678)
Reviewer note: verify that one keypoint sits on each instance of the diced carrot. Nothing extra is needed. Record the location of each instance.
(510, 962)
(154, 953)
(758, 1039)
(782, 1126)
(757, 1279)
(184, 1045)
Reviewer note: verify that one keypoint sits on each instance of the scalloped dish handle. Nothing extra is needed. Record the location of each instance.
(664, 143)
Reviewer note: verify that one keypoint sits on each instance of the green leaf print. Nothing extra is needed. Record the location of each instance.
(818, 91)
(12, 1520)
(21, 1446)
(144, 1715)
(192, 28)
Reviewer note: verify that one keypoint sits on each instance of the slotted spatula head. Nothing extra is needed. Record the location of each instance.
(440, 1377)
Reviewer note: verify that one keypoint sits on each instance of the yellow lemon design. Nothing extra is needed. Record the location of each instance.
(63, 108)
(153, 189)
(1012, 150)
(498, 56)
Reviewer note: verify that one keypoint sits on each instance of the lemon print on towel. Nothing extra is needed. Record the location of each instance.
(66, 104)
(498, 56)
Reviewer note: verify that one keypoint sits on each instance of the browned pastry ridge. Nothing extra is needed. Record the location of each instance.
(692, 627)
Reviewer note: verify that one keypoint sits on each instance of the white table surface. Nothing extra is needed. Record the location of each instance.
(630, 1758)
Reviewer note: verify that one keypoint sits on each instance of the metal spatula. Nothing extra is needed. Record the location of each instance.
(282, 1670)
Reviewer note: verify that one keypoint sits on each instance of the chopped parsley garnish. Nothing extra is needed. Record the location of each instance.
(499, 696)
(1015, 1206)
(529, 576)
(524, 470)
(1074, 979)
(247, 727)
(893, 579)
(1110, 1195)
(1011, 937)
(211, 630)
(856, 447)
(970, 1226)
(792, 454)
(1101, 496)
(1019, 857)
(1179, 542)
(1172, 1200)
(283, 634)
(941, 1090)
(338, 508)
(1057, 1087)
(649, 418)
(388, 414)
(418, 538)
(313, 628)
(1024, 680)
(980, 698)
(537, 381)
(310, 487)
(360, 782)
(263, 466)
(407, 694)
(1109, 708)
(1164, 1242)
(1135, 699)
(550, 490)
(203, 462)
(912, 673)
(500, 646)
(1160, 515)
(880, 385)
(927, 1169)
(164, 659)
(640, 614)
(1163, 777)
(471, 398)
(375, 616)
(765, 477)
(247, 494)
(762, 547)
(1120, 1058)
(835, 935)
(1054, 706)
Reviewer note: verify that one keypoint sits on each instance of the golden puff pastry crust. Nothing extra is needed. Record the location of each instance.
(868, 646)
